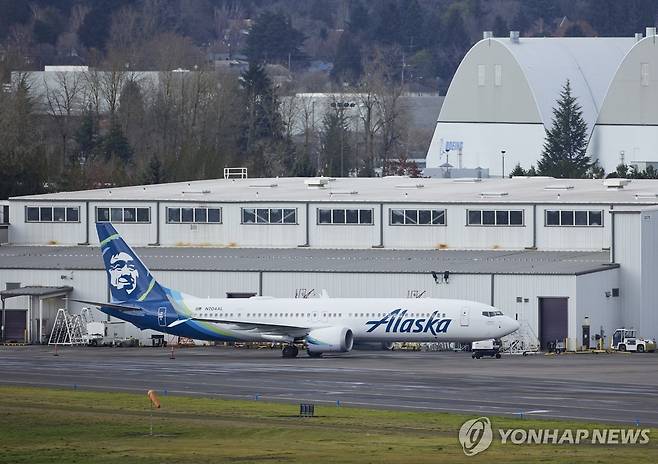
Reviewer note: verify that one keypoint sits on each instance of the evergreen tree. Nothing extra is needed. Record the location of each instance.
(518, 171)
(268, 151)
(273, 39)
(154, 172)
(335, 149)
(303, 166)
(87, 137)
(115, 144)
(566, 141)
(347, 62)
(262, 105)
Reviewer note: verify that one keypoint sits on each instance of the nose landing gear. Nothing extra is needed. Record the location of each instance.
(290, 351)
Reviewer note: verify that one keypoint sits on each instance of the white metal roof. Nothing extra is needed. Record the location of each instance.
(590, 64)
(532, 190)
(523, 262)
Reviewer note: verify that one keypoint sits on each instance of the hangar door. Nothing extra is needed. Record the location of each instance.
(553, 320)
(15, 325)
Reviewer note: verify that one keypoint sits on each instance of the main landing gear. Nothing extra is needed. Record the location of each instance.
(290, 351)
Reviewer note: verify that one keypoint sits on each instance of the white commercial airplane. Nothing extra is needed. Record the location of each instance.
(326, 325)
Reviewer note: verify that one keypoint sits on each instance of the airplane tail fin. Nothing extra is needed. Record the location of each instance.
(129, 279)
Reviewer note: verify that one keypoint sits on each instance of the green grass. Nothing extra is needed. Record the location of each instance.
(66, 426)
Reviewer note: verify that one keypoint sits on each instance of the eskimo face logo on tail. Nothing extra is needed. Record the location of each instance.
(123, 273)
(397, 322)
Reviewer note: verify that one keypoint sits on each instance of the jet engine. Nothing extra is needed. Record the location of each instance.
(330, 340)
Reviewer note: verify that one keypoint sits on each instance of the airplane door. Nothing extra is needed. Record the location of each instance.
(162, 317)
(465, 316)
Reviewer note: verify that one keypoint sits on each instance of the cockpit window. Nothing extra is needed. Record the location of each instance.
(492, 313)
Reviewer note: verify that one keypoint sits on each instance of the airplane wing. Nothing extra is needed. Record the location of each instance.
(262, 327)
(107, 305)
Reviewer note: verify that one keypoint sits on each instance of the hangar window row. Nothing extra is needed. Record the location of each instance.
(494, 217)
(123, 215)
(573, 218)
(418, 217)
(194, 215)
(345, 216)
(52, 214)
(269, 216)
(203, 215)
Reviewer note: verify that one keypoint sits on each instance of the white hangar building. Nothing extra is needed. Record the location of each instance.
(550, 253)
(504, 91)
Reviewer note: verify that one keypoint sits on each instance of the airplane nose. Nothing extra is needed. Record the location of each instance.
(513, 325)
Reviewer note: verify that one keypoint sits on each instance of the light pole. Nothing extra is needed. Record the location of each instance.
(502, 174)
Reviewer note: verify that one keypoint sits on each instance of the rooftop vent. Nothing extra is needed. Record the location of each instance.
(487, 35)
(467, 180)
(263, 185)
(651, 31)
(514, 36)
(616, 183)
(317, 182)
(343, 192)
(558, 187)
(195, 192)
(638, 36)
(494, 194)
(409, 186)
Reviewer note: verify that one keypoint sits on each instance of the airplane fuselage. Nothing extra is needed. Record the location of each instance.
(325, 325)
(369, 319)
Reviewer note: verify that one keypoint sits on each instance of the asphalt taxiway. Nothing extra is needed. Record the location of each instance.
(619, 388)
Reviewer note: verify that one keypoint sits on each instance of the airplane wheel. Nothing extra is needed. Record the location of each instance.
(497, 355)
(313, 354)
(640, 348)
(290, 351)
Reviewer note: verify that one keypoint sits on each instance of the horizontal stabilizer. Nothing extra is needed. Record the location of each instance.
(107, 305)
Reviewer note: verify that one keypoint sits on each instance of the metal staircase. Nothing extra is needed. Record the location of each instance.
(523, 341)
(68, 329)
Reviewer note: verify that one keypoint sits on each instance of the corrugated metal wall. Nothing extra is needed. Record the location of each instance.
(627, 252)
(47, 233)
(594, 300)
(344, 235)
(507, 288)
(647, 319)
(573, 238)
(284, 284)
